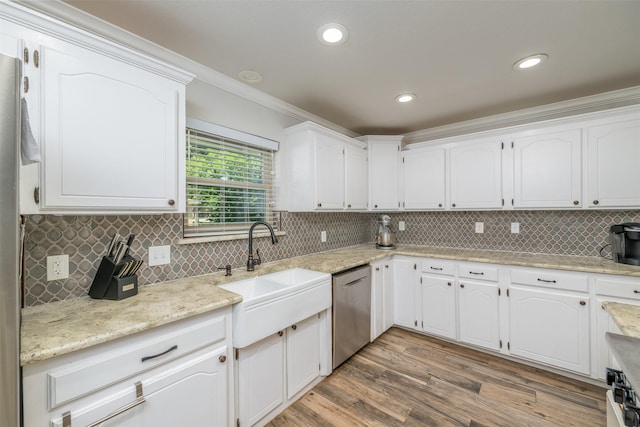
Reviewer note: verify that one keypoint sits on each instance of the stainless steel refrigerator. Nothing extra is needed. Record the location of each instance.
(9, 246)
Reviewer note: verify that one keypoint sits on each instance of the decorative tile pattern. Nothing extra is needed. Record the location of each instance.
(85, 238)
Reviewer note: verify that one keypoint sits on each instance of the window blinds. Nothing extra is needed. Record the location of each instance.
(229, 185)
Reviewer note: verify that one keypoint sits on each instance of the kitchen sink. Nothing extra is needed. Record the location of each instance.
(275, 301)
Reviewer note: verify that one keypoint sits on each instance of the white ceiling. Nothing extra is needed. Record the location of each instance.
(456, 56)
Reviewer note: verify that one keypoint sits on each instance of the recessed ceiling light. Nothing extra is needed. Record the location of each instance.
(332, 34)
(530, 61)
(405, 97)
(250, 76)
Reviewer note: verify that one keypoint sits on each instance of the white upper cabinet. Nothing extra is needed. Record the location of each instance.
(325, 170)
(109, 121)
(113, 135)
(384, 172)
(423, 179)
(613, 154)
(547, 170)
(476, 174)
(356, 177)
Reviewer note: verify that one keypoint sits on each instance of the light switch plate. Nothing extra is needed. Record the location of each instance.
(401, 226)
(57, 267)
(515, 227)
(479, 227)
(159, 255)
(323, 236)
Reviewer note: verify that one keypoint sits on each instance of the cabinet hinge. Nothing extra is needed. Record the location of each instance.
(66, 419)
(511, 202)
(507, 291)
(502, 202)
(343, 152)
(36, 195)
(236, 353)
(398, 204)
(237, 422)
(500, 343)
(421, 280)
(415, 266)
(422, 324)
(25, 55)
(499, 292)
(502, 145)
(511, 144)
(508, 346)
(415, 323)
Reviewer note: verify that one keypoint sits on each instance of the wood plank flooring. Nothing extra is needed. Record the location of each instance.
(408, 379)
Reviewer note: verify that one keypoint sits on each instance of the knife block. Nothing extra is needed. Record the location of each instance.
(106, 286)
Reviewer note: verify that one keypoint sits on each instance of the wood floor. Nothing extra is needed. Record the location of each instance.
(407, 379)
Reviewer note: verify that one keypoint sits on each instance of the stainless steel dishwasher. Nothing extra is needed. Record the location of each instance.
(351, 312)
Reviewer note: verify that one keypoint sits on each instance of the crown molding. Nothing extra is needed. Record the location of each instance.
(89, 23)
(573, 107)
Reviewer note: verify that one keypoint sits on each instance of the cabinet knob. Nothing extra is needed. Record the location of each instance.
(171, 202)
(222, 358)
(280, 333)
(575, 202)
(439, 205)
(461, 285)
(595, 202)
(294, 327)
(349, 205)
(375, 206)
(453, 205)
(448, 283)
(583, 303)
(319, 205)
(386, 266)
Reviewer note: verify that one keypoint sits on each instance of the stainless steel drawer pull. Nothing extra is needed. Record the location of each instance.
(145, 358)
(476, 273)
(635, 291)
(546, 281)
(436, 268)
(139, 401)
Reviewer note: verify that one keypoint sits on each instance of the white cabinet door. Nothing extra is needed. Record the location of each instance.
(382, 298)
(405, 294)
(261, 376)
(613, 159)
(479, 318)
(476, 175)
(303, 354)
(550, 327)
(439, 306)
(329, 181)
(192, 393)
(384, 176)
(111, 137)
(547, 170)
(356, 177)
(423, 174)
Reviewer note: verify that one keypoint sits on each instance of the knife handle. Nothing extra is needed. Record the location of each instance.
(129, 242)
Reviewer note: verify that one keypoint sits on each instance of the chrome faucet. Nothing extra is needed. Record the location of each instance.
(251, 263)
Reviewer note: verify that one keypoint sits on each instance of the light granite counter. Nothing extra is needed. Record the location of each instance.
(626, 316)
(61, 327)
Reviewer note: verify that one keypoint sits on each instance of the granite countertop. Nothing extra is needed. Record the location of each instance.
(626, 316)
(625, 349)
(61, 327)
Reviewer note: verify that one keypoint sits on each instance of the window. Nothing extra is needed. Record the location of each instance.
(229, 180)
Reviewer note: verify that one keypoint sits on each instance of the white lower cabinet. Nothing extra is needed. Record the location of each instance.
(439, 314)
(273, 371)
(382, 298)
(550, 326)
(479, 319)
(406, 300)
(176, 374)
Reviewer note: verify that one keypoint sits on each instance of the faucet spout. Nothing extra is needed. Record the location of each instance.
(250, 261)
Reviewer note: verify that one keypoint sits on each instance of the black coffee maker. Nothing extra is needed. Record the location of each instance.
(625, 243)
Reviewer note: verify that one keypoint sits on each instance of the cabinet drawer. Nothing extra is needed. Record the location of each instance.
(119, 360)
(478, 271)
(550, 279)
(629, 288)
(437, 266)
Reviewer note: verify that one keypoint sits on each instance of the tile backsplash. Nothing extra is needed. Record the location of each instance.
(85, 238)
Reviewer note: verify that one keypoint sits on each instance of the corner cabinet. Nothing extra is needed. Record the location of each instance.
(109, 122)
(384, 172)
(382, 298)
(423, 179)
(176, 374)
(326, 171)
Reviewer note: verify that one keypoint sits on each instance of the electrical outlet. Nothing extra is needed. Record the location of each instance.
(515, 227)
(57, 267)
(159, 255)
(401, 226)
(479, 227)
(323, 236)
